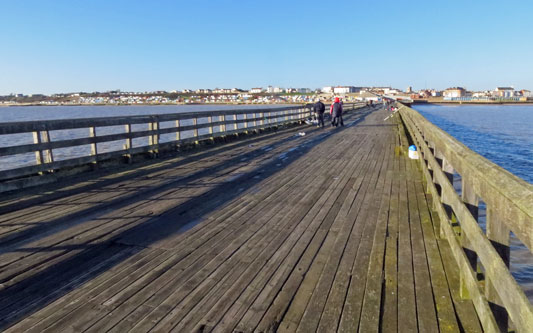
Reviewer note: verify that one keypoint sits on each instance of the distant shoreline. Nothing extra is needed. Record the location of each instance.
(147, 104)
(472, 103)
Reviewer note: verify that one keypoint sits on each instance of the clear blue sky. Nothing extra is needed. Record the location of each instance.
(63, 46)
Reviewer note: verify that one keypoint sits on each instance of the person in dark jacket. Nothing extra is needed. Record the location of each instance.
(336, 113)
(319, 108)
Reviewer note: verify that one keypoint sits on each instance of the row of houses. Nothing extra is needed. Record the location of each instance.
(499, 92)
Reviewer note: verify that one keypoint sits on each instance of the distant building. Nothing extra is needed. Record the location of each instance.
(256, 90)
(367, 96)
(504, 92)
(203, 91)
(409, 89)
(525, 93)
(481, 94)
(454, 92)
(327, 90)
(436, 93)
(422, 93)
(345, 89)
(390, 91)
(274, 90)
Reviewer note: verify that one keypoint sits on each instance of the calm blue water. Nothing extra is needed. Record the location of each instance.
(30, 113)
(504, 135)
(501, 133)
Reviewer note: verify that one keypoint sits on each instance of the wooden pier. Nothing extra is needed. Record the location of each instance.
(334, 230)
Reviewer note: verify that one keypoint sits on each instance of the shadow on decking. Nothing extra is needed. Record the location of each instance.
(37, 291)
(42, 229)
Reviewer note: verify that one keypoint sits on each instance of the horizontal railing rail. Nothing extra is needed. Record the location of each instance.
(509, 208)
(212, 123)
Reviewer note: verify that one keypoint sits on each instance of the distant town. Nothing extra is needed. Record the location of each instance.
(269, 95)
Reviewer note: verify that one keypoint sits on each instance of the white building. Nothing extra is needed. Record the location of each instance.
(327, 90)
(344, 89)
(274, 90)
(389, 91)
(454, 92)
(256, 90)
(526, 93)
(480, 94)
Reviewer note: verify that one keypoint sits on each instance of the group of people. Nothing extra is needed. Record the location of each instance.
(335, 112)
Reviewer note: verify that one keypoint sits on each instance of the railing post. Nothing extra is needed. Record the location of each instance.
(471, 201)
(178, 132)
(245, 116)
(94, 147)
(448, 171)
(210, 121)
(39, 159)
(223, 126)
(154, 137)
(129, 142)
(499, 235)
(48, 155)
(195, 123)
(431, 147)
(42, 156)
(235, 125)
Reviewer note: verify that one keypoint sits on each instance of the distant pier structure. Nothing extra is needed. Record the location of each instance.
(257, 221)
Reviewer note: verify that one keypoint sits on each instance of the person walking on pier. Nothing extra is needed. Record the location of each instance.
(319, 108)
(336, 113)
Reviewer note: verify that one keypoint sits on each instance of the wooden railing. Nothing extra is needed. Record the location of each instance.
(199, 126)
(509, 206)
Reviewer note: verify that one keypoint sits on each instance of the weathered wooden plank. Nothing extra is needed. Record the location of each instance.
(275, 312)
(97, 328)
(426, 312)
(267, 295)
(371, 310)
(407, 319)
(320, 224)
(390, 293)
(258, 285)
(350, 318)
(469, 275)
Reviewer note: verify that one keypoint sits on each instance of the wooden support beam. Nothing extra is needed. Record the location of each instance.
(471, 200)
(499, 235)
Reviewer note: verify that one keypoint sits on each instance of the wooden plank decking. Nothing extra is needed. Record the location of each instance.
(326, 232)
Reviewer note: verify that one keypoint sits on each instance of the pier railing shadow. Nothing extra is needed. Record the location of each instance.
(90, 260)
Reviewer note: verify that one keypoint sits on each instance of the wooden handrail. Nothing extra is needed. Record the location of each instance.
(43, 147)
(509, 204)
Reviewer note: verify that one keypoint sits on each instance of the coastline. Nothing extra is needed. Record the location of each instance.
(137, 104)
(471, 103)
